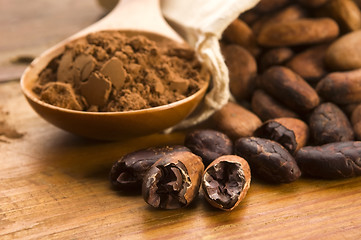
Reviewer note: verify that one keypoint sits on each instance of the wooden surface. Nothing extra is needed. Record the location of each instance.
(54, 185)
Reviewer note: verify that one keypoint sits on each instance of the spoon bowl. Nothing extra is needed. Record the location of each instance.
(114, 125)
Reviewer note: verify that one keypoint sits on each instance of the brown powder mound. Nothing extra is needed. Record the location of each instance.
(108, 71)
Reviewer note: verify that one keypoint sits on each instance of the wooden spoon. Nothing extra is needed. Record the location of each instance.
(130, 17)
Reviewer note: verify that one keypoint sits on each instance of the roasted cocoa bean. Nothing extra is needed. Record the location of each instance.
(289, 88)
(346, 13)
(275, 56)
(331, 161)
(236, 121)
(127, 173)
(289, 13)
(341, 87)
(298, 32)
(226, 181)
(345, 53)
(208, 144)
(328, 123)
(238, 32)
(309, 64)
(242, 68)
(173, 181)
(291, 133)
(266, 107)
(268, 159)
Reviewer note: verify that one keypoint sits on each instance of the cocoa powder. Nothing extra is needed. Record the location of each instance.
(109, 71)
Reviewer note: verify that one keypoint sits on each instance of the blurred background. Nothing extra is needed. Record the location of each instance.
(27, 28)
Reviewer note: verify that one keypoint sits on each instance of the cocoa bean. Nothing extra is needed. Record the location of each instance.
(226, 181)
(268, 159)
(329, 124)
(266, 107)
(346, 13)
(309, 64)
(345, 53)
(331, 161)
(127, 173)
(275, 56)
(242, 69)
(236, 121)
(208, 144)
(238, 32)
(291, 133)
(173, 181)
(289, 13)
(341, 87)
(289, 88)
(298, 32)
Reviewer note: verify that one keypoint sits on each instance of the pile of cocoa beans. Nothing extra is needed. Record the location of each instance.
(295, 75)
(295, 78)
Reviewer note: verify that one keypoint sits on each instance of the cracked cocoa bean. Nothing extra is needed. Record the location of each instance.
(208, 144)
(291, 133)
(173, 181)
(329, 124)
(268, 159)
(289, 88)
(127, 173)
(226, 181)
(331, 161)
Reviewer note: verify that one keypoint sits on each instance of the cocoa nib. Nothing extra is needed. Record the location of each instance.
(173, 181)
(128, 172)
(226, 181)
(208, 144)
(268, 159)
(332, 160)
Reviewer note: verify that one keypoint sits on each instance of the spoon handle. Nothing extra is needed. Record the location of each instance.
(135, 15)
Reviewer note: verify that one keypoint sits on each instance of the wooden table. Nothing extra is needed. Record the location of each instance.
(54, 185)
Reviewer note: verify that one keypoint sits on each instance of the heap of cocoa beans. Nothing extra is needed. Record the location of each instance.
(295, 78)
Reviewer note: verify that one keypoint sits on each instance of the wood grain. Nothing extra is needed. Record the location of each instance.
(55, 185)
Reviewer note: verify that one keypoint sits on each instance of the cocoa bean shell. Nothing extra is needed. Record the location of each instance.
(291, 133)
(226, 181)
(127, 173)
(173, 181)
